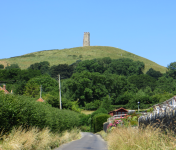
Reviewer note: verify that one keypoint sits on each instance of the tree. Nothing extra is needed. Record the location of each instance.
(142, 81)
(106, 104)
(1, 66)
(48, 83)
(126, 67)
(64, 70)
(171, 70)
(142, 97)
(88, 87)
(32, 90)
(52, 99)
(122, 66)
(124, 98)
(12, 66)
(42, 66)
(85, 86)
(172, 66)
(153, 73)
(165, 84)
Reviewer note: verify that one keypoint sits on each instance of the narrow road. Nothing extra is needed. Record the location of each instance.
(89, 141)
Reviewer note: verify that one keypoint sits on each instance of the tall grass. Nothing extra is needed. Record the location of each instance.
(34, 139)
(135, 139)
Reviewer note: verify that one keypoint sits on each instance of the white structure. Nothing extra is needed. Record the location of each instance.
(86, 39)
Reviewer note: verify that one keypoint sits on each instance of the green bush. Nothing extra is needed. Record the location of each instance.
(84, 120)
(106, 103)
(22, 110)
(100, 110)
(98, 120)
(1, 66)
(12, 66)
(85, 128)
(92, 105)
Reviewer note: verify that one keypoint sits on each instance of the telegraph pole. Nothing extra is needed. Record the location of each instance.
(60, 91)
(40, 91)
(138, 106)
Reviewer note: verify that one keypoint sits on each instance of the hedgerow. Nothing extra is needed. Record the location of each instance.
(98, 120)
(21, 110)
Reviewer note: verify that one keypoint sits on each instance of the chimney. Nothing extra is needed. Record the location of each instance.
(4, 86)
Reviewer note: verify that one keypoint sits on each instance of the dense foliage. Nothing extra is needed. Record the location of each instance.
(86, 84)
(64, 70)
(89, 87)
(98, 120)
(98, 84)
(42, 66)
(153, 73)
(12, 66)
(92, 119)
(122, 66)
(1, 66)
(21, 110)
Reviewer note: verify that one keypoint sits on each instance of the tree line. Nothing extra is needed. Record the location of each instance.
(86, 84)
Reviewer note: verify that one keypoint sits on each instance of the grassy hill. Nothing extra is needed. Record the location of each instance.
(69, 56)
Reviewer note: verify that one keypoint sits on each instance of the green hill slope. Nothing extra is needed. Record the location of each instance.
(71, 55)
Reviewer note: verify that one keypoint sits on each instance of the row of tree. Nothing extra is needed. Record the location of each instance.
(87, 83)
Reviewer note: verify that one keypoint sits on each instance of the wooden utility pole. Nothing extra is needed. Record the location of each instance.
(60, 92)
(40, 91)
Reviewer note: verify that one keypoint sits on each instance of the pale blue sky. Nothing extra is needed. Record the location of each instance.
(144, 27)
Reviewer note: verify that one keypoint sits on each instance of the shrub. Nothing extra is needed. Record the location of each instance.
(12, 66)
(22, 110)
(84, 120)
(98, 120)
(100, 110)
(92, 105)
(85, 128)
(1, 66)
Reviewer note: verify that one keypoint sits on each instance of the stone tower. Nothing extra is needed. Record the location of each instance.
(86, 39)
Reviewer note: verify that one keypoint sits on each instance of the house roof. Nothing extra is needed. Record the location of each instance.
(122, 109)
(40, 100)
(118, 110)
(165, 102)
(4, 89)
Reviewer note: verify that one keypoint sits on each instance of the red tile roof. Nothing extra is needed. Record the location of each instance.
(119, 109)
(4, 89)
(122, 109)
(40, 100)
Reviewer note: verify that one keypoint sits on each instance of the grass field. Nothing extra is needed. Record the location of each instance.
(87, 112)
(69, 56)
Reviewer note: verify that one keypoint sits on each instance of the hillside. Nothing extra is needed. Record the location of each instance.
(71, 55)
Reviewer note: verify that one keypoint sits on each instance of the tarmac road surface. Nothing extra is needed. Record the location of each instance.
(89, 141)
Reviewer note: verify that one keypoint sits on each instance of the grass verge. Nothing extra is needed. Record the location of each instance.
(130, 138)
(35, 139)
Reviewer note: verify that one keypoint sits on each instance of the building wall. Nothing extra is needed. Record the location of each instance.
(86, 39)
(163, 116)
(111, 113)
(164, 119)
(119, 112)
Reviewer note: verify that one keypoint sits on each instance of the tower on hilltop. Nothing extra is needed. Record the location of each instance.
(86, 39)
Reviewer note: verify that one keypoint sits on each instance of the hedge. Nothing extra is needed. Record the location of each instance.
(98, 120)
(22, 110)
